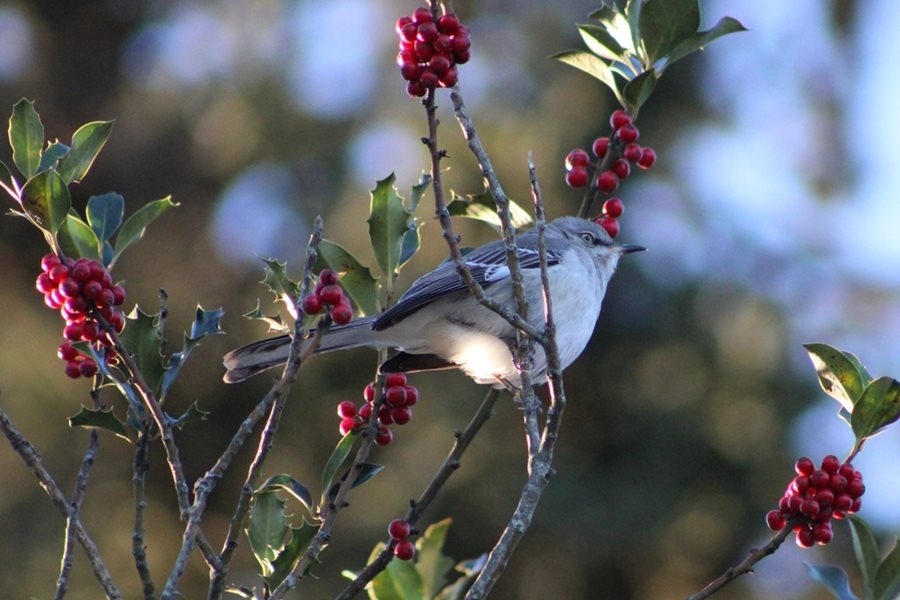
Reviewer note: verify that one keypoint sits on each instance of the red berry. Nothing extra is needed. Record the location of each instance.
(402, 22)
(607, 182)
(396, 396)
(621, 167)
(805, 538)
(97, 270)
(600, 146)
(412, 395)
(783, 504)
(427, 32)
(804, 466)
(44, 284)
(831, 464)
(613, 208)
(53, 300)
(439, 64)
(410, 71)
(72, 369)
(776, 520)
(408, 32)
(369, 393)
(442, 44)
(346, 409)
(800, 484)
(837, 483)
(81, 272)
(629, 134)
(395, 379)
(117, 320)
(415, 89)
(342, 314)
(384, 436)
(346, 426)
(119, 295)
(365, 411)
(633, 152)
(461, 58)
(404, 550)
(91, 290)
(401, 415)
(460, 44)
(857, 503)
(87, 367)
(67, 352)
(448, 24)
(424, 51)
(819, 479)
(648, 157)
(824, 515)
(449, 78)
(422, 15)
(610, 225)
(58, 273)
(577, 158)
(619, 118)
(48, 261)
(90, 331)
(825, 498)
(331, 294)
(842, 502)
(399, 529)
(846, 470)
(822, 533)
(794, 503)
(69, 288)
(385, 417)
(856, 488)
(73, 332)
(577, 177)
(809, 508)
(428, 79)
(106, 298)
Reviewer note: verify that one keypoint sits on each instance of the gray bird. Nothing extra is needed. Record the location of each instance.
(438, 324)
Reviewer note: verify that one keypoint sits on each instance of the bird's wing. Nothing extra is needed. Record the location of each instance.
(487, 264)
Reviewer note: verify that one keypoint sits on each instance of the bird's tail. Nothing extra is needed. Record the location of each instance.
(254, 358)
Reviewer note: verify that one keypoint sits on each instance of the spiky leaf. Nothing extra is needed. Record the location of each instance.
(45, 198)
(275, 322)
(267, 529)
(481, 207)
(26, 137)
(366, 472)
(87, 142)
(356, 279)
(77, 239)
(100, 418)
(399, 581)
(292, 552)
(141, 339)
(387, 225)
(193, 414)
(286, 483)
(601, 42)
(638, 90)
(206, 322)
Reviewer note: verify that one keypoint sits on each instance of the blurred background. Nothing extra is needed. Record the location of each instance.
(771, 217)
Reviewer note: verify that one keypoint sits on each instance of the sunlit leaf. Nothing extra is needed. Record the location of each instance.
(877, 407)
(388, 223)
(481, 207)
(600, 42)
(664, 24)
(399, 581)
(838, 375)
(77, 239)
(267, 529)
(700, 39)
(134, 227)
(432, 564)
(45, 198)
(51, 155)
(337, 458)
(356, 279)
(141, 339)
(26, 137)
(275, 322)
(87, 142)
(834, 579)
(617, 25)
(104, 214)
(592, 65)
(100, 418)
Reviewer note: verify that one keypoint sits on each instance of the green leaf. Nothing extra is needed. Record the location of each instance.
(833, 578)
(865, 377)
(866, 551)
(600, 42)
(366, 472)
(86, 144)
(399, 581)
(287, 559)
(275, 322)
(141, 339)
(51, 155)
(887, 579)
(664, 24)
(101, 418)
(45, 198)
(193, 414)
(387, 226)
(337, 458)
(286, 483)
(470, 570)
(481, 207)
(431, 562)
(104, 214)
(206, 322)
(26, 137)
(356, 279)
(633, 15)
(639, 89)
(617, 25)
(277, 280)
(410, 244)
(592, 65)
(878, 407)
(134, 227)
(77, 239)
(267, 529)
(699, 40)
(418, 190)
(838, 375)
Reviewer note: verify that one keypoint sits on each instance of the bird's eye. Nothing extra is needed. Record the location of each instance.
(589, 238)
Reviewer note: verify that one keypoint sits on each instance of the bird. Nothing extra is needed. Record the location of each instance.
(438, 324)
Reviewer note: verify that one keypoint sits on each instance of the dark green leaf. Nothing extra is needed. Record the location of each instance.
(267, 529)
(134, 227)
(366, 472)
(141, 339)
(866, 551)
(878, 407)
(387, 225)
(45, 198)
(418, 190)
(399, 581)
(481, 207)
(101, 418)
(275, 322)
(293, 551)
(290, 485)
(887, 579)
(592, 65)
(193, 414)
(666, 23)
(834, 579)
(432, 564)
(104, 214)
(51, 155)
(639, 89)
(699, 40)
(206, 322)
(838, 376)
(77, 239)
(410, 244)
(600, 42)
(356, 279)
(108, 253)
(337, 458)
(278, 282)
(26, 137)
(86, 144)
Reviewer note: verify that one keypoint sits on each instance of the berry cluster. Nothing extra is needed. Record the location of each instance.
(328, 293)
(618, 167)
(430, 51)
(815, 496)
(81, 290)
(397, 408)
(399, 530)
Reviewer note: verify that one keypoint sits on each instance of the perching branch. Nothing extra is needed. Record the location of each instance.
(138, 484)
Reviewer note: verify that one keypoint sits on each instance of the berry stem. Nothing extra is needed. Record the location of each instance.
(746, 565)
(616, 146)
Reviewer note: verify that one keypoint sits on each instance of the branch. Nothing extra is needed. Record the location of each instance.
(746, 565)
(138, 483)
(31, 457)
(418, 507)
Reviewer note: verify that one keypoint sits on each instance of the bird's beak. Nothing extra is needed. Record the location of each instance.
(629, 248)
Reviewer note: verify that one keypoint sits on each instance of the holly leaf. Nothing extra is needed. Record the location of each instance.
(134, 227)
(877, 407)
(104, 214)
(267, 529)
(410, 244)
(275, 322)
(287, 559)
(592, 65)
(26, 137)
(834, 579)
(100, 418)
(356, 279)
(193, 414)
(838, 375)
(617, 25)
(638, 90)
(664, 24)
(141, 339)
(399, 581)
(286, 483)
(601, 42)
(51, 155)
(481, 207)
(866, 551)
(77, 239)
(887, 578)
(700, 39)
(87, 142)
(45, 199)
(337, 458)
(206, 322)
(433, 566)
(366, 472)
(388, 223)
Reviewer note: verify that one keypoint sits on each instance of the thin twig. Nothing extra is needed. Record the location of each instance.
(138, 485)
(418, 507)
(593, 193)
(745, 566)
(31, 457)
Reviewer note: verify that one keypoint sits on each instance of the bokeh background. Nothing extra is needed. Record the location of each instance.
(772, 219)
